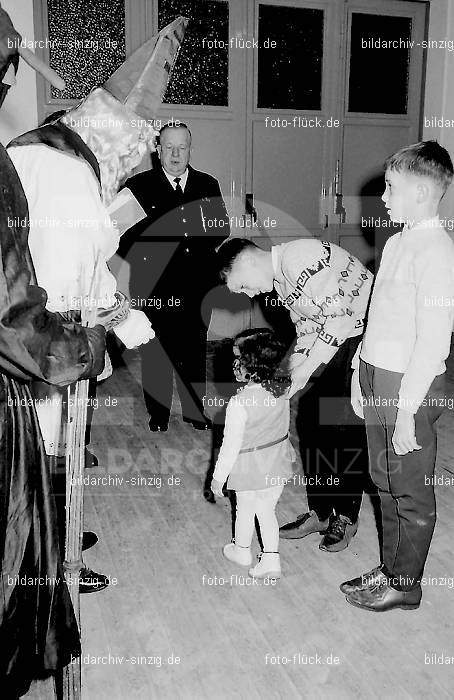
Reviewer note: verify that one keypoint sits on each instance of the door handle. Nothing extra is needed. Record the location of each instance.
(323, 207)
(249, 207)
(339, 208)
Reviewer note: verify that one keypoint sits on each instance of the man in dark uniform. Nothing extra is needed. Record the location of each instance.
(172, 263)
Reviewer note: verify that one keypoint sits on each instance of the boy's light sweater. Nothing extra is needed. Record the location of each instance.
(326, 290)
(412, 309)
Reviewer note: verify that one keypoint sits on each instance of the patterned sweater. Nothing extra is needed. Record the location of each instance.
(326, 290)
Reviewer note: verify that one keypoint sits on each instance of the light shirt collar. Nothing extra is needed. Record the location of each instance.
(425, 226)
(171, 179)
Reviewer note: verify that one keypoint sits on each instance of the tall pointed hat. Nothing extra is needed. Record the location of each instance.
(140, 82)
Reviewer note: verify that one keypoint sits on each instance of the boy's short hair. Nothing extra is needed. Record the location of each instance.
(228, 252)
(425, 158)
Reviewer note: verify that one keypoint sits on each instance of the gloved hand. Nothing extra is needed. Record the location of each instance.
(135, 329)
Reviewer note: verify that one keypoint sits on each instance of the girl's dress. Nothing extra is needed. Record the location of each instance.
(256, 451)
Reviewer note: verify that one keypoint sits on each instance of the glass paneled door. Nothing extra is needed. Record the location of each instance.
(381, 97)
(338, 90)
(291, 114)
(293, 106)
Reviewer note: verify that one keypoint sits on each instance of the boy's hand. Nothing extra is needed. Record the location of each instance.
(404, 436)
(299, 380)
(356, 395)
(216, 487)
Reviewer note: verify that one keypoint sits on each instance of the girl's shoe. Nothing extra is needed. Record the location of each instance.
(239, 555)
(269, 566)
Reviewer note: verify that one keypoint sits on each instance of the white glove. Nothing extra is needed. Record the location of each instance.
(135, 329)
(356, 395)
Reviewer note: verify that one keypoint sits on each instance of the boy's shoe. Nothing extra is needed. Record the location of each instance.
(304, 525)
(338, 534)
(382, 597)
(239, 555)
(367, 580)
(269, 566)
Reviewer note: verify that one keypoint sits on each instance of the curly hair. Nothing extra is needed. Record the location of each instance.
(115, 134)
(263, 355)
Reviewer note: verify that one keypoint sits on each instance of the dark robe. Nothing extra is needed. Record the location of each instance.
(38, 630)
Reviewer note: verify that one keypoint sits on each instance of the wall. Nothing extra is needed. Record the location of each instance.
(439, 92)
(19, 111)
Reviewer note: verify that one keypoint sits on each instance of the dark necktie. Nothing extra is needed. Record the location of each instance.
(178, 191)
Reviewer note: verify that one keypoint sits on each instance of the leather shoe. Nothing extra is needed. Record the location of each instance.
(89, 539)
(338, 534)
(361, 582)
(304, 525)
(157, 427)
(381, 597)
(90, 581)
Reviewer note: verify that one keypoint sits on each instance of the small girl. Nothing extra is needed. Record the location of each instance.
(256, 452)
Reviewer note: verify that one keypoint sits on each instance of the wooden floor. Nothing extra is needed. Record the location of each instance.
(175, 598)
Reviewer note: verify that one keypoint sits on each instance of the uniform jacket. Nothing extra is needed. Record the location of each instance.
(172, 252)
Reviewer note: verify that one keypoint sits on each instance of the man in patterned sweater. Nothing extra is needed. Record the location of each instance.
(326, 290)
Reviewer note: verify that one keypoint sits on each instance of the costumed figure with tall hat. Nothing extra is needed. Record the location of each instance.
(38, 628)
(71, 169)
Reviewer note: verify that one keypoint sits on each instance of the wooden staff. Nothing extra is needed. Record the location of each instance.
(75, 465)
(42, 68)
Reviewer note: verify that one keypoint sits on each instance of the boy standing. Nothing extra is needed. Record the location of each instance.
(400, 379)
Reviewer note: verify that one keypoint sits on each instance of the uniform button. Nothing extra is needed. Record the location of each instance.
(186, 250)
(144, 258)
(183, 220)
(185, 235)
(181, 208)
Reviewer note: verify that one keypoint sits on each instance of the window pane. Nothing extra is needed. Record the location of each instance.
(290, 74)
(86, 43)
(379, 64)
(200, 76)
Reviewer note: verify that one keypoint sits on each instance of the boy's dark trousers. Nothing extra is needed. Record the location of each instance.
(333, 440)
(405, 488)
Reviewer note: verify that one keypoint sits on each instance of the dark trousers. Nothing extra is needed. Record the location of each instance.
(57, 468)
(333, 440)
(404, 483)
(180, 350)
